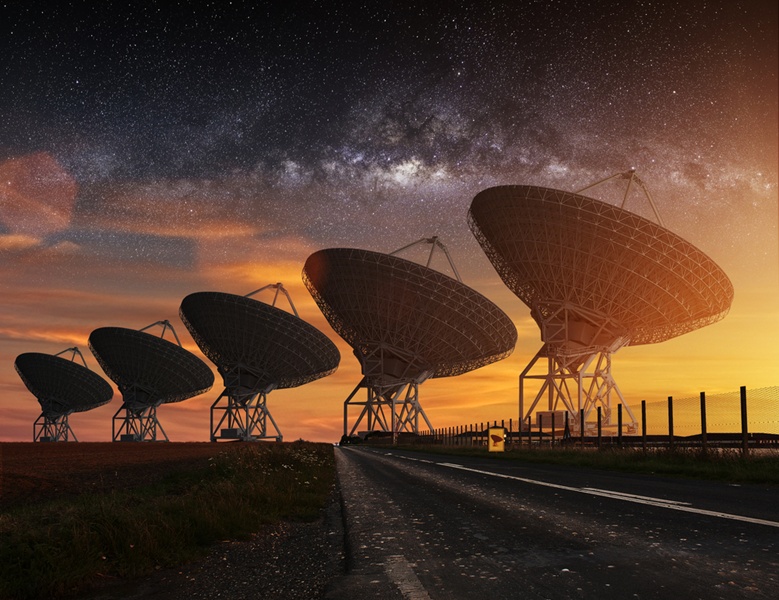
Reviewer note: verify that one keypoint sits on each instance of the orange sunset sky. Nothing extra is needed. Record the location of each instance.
(148, 155)
(54, 296)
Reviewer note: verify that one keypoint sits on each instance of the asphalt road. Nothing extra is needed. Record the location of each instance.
(429, 526)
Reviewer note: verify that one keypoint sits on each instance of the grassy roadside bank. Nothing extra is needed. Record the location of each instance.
(57, 547)
(722, 465)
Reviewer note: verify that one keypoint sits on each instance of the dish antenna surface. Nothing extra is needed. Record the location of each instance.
(596, 278)
(406, 323)
(257, 347)
(149, 371)
(62, 387)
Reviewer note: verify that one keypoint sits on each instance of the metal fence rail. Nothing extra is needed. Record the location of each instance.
(744, 418)
(723, 413)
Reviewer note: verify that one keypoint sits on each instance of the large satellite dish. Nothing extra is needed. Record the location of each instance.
(149, 371)
(596, 278)
(406, 323)
(257, 347)
(62, 387)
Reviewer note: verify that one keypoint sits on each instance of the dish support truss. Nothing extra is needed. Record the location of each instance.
(434, 243)
(52, 429)
(631, 176)
(393, 409)
(581, 381)
(55, 428)
(392, 403)
(137, 421)
(575, 384)
(241, 413)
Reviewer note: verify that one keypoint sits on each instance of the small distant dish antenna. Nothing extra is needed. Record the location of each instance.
(406, 323)
(257, 347)
(62, 387)
(149, 371)
(596, 277)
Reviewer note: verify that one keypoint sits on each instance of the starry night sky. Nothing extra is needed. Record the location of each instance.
(202, 137)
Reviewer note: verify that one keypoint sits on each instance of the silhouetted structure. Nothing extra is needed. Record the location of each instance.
(149, 371)
(257, 348)
(62, 387)
(596, 278)
(406, 323)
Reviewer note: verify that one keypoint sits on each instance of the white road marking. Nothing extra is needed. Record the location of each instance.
(647, 500)
(625, 496)
(403, 576)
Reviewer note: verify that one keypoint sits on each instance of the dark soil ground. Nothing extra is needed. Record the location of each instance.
(31, 473)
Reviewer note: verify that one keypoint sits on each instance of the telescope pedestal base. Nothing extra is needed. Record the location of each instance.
(52, 429)
(393, 409)
(136, 425)
(242, 417)
(575, 385)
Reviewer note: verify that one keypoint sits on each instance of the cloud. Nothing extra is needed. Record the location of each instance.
(115, 245)
(15, 243)
(175, 208)
(36, 195)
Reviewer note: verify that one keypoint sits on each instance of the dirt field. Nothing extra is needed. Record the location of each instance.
(33, 472)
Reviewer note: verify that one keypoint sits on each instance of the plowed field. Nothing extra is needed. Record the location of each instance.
(35, 472)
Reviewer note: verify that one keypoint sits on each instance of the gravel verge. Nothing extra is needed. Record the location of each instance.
(287, 561)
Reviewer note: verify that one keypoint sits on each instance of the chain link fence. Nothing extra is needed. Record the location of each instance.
(723, 413)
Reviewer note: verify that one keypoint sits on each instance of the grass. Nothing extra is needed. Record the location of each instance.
(57, 548)
(721, 465)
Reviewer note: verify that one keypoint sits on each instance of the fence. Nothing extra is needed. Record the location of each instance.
(743, 419)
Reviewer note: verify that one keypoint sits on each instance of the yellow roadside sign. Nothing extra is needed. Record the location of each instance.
(496, 439)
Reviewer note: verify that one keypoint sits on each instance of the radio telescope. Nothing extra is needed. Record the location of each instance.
(257, 348)
(62, 387)
(596, 278)
(406, 323)
(149, 371)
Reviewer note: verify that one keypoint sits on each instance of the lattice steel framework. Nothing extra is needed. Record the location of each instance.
(406, 323)
(596, 277)
(149, 371)
(257, 347)
(62, 387)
